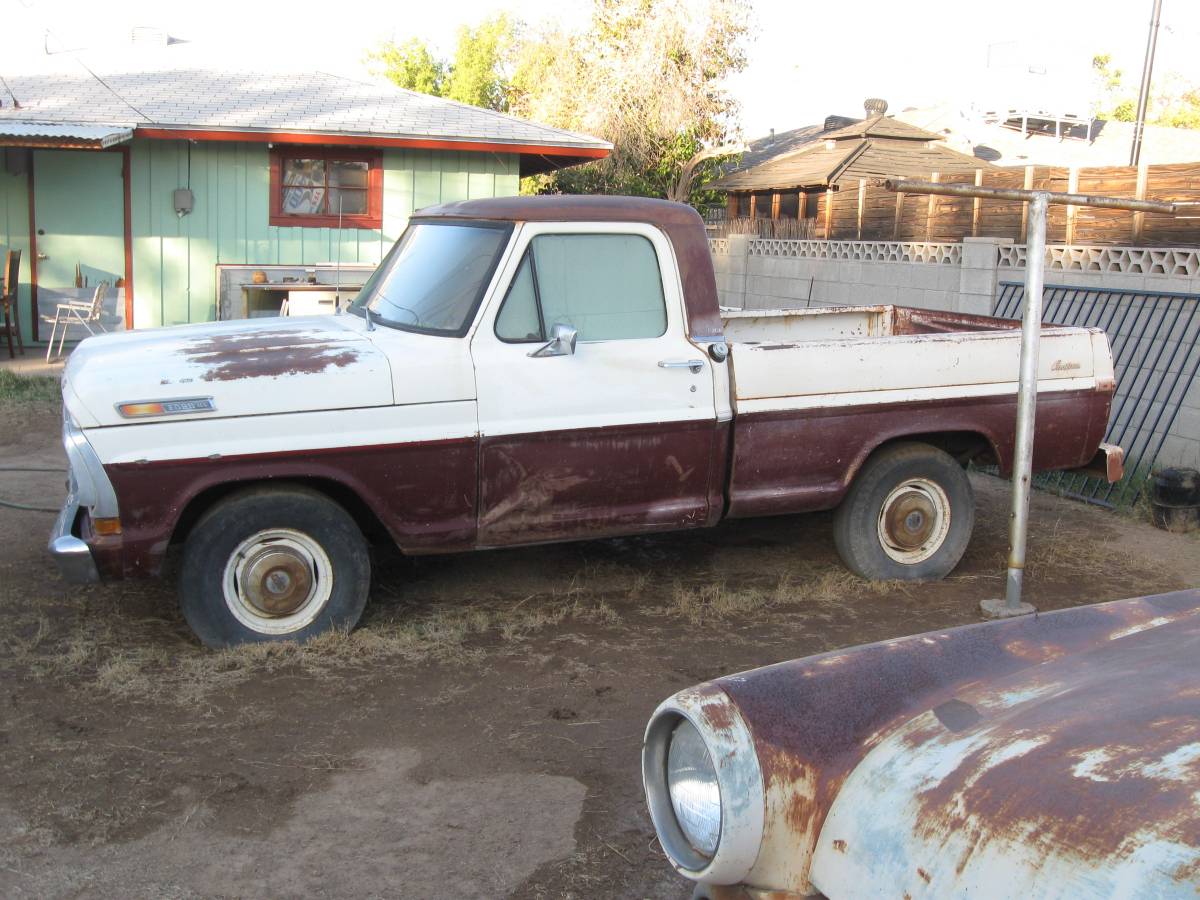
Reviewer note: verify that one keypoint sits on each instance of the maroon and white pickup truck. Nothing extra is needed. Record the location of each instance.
(527, 370)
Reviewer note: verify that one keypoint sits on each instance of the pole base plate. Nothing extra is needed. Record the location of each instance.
(998, 608)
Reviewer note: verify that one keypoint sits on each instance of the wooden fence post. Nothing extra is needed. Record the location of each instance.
(828, 212)
(899, 216)
(1072, 210)
(976, 204)
(862, 197)
(931, 210)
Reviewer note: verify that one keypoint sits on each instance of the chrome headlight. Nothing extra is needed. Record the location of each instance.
(692, 786)
(704, 786)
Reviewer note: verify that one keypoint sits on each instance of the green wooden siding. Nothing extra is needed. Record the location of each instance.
(175, 259)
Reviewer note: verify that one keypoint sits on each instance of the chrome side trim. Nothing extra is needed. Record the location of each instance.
(90, 485)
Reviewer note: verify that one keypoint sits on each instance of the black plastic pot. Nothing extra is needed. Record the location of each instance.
(1175, 499)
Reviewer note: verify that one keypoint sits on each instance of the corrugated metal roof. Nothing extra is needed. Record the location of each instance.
(18, 132)
(172, 89)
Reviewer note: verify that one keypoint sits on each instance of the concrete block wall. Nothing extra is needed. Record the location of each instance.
(966, 278)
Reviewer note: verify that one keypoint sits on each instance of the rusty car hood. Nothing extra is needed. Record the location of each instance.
(1051, 755)
(247, 367)
(1077, 777)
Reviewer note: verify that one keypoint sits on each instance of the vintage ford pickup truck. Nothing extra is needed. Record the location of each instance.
(1049, 756)
(528, 370)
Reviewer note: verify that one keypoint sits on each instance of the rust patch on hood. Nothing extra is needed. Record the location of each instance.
(269, 354)
(813, 720)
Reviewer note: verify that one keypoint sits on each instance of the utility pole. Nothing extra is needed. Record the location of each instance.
(1135, 152)
(1031, 332)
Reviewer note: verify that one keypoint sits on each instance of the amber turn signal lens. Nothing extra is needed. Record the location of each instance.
(140, 409)
(106, 526)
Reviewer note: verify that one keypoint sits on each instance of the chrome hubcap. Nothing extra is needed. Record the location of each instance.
(277, 581)
(914, 520)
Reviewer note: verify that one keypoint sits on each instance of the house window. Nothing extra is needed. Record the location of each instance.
(762, 204)
(320, 187)
(810, 205)
(789, 205)
(743, 206)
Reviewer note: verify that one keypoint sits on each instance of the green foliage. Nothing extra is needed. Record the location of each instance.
(646, 75)
(476, 76)
(1174, 103)
(411, 66)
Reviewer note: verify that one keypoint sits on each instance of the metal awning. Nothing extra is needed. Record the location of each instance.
(65, 135)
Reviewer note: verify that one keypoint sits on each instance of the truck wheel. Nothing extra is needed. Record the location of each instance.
(908, 515)
(273, 564)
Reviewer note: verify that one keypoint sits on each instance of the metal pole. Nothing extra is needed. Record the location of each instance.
(1022, 475)
(1135, 152)
(905, 186)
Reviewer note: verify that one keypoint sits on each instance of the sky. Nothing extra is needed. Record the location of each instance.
(808, 58)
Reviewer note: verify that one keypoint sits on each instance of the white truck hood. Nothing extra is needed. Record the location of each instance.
(246, 367)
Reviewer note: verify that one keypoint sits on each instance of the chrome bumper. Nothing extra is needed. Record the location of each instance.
(71, 555)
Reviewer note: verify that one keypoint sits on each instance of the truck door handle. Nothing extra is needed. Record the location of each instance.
(696, 365)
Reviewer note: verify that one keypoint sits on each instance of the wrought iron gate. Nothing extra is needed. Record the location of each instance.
(1155, 339)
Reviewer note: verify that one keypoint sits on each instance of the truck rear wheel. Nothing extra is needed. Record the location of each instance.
(273, 564)
(908, 515)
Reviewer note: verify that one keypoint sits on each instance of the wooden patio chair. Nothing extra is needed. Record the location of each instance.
(86, 314)
(8, 300)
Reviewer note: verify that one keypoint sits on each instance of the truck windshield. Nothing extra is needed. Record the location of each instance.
(434, 277)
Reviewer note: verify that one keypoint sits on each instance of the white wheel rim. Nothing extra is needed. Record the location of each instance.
(914, 521)
(277, 581)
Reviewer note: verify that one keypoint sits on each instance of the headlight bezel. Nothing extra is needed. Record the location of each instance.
(731, 751)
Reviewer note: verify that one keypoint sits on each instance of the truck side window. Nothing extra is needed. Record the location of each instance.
(520, 319)
(607, 286)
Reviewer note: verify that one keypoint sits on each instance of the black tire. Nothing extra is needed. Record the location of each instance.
(931, 513)
(292, 530)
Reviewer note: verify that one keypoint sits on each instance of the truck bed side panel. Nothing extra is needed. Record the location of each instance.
(799, 460)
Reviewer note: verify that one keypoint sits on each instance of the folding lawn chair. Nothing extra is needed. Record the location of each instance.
(86, 314)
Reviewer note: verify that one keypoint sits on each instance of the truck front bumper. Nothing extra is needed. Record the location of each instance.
(72, 556)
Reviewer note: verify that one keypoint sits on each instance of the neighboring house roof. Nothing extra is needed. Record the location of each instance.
(171, 92)
(877, 147)
(1108, 144)
(20, 133)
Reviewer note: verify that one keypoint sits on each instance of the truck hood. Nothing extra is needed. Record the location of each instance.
(246, 367)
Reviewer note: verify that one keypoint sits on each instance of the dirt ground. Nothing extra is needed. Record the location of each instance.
(477, 736)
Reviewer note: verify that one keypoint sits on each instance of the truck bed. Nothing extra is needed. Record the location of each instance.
(815, 391)
(838, 356)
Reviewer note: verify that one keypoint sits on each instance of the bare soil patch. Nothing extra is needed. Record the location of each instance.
(478, 735)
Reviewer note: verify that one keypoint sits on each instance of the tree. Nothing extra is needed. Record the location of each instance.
(646, 75)
(476, 76)
(411, 66)
(1174, 103)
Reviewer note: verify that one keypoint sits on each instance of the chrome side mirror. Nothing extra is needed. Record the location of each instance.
(561, 343)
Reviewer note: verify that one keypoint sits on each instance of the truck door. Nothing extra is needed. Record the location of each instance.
(614, 436)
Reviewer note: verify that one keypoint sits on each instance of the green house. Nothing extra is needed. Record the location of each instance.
(195, 194)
